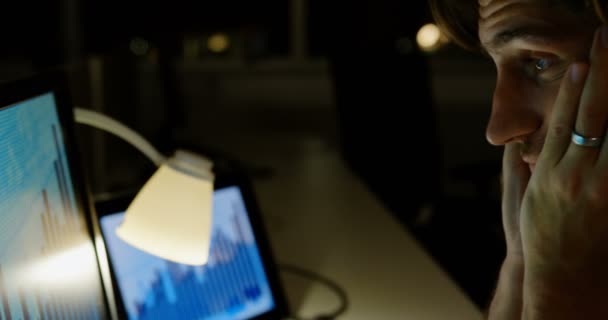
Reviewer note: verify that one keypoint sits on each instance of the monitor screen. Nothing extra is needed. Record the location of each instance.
(232, 285)
(48, 266)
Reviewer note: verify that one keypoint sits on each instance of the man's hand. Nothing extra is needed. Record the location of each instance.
(507, 301)
(516, 175)
(564, 221)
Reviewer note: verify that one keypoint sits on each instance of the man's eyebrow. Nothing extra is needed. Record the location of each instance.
(530, 33)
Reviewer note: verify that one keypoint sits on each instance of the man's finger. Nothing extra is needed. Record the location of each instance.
(515, 177)
(592, 113)
(516, 174)
(564, 115)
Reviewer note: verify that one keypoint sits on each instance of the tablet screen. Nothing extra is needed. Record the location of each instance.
(232, 285)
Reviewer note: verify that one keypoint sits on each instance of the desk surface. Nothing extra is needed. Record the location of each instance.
(320, 217)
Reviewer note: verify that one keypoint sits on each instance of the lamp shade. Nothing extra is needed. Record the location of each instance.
(171, 215)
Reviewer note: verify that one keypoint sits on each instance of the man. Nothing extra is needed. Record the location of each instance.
(550, 112)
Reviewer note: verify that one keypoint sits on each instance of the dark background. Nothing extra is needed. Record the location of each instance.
(409, 123)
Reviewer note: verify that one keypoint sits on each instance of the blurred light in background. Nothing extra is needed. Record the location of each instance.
(139, 46)
(429, 37)
(218, 43)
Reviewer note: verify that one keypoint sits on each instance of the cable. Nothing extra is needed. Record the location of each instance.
(340, 292)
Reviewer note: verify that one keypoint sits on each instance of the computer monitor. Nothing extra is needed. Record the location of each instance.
(48, 263)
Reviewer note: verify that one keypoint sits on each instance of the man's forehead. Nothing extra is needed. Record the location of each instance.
(504, 20)
(535, 25)
(490, 8)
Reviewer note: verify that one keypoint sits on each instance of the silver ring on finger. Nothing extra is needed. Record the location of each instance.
(580, 140)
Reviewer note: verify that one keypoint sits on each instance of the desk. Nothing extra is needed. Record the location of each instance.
(321, 217)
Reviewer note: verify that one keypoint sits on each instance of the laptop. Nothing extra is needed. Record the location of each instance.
(240, 281)
(48, 263)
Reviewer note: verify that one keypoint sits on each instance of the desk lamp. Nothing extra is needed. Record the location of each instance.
(170, 217)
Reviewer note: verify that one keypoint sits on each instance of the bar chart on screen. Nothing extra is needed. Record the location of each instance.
(232, 285)
(47, 262)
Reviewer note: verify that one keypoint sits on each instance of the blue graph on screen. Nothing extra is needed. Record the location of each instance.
(48, 268)
(231, 286)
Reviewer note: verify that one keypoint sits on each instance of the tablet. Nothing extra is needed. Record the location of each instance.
(239, 281)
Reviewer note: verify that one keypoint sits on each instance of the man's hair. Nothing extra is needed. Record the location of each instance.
(458, 19)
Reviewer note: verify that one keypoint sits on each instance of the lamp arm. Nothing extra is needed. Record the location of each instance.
(103, 122)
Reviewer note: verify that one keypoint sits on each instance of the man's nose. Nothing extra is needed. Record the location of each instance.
(514, 114)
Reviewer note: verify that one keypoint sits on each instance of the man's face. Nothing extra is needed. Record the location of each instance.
(532, 44)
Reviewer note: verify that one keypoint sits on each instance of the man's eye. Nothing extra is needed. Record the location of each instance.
(542, 64)
(545, 69)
